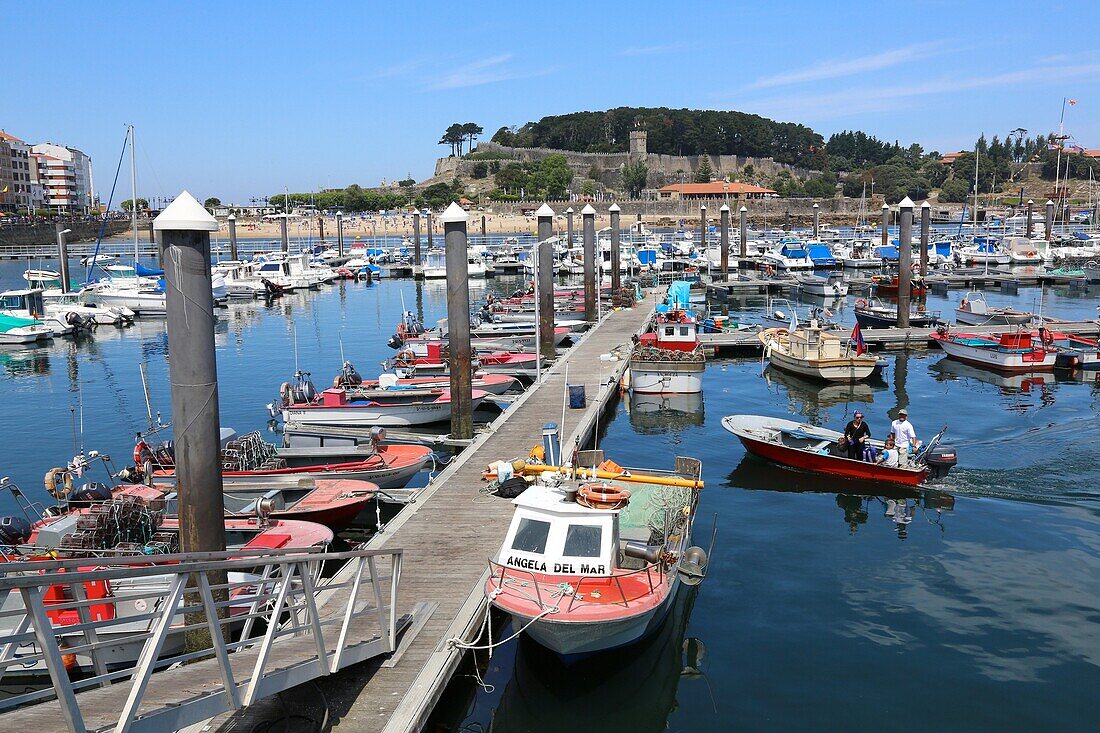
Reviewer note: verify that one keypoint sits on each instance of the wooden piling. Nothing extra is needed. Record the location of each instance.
(63, 255)
(340, 233)
(885, 225)
(283, 232)
(702, 228)
(458, 321)
(925, 236)
(184, 228)
(416, 238)
(1029, 225)
(569, 228)
(231, 220)
(744, 232)
(616, 296)
(545, 304)
(1050, 219)
(905, 260)
(588, 225)
(724, 240)
(321, 229)
(817, 222)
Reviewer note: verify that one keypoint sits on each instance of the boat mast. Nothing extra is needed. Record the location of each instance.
(133, 196)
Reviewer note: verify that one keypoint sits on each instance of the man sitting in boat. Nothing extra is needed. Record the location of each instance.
(904, 435)
(856, 434)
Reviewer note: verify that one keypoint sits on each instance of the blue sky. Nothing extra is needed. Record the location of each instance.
(237, 99)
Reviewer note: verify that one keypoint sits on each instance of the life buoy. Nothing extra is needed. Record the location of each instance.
(405, 358)
(401, 330)
(142, 452)
(862, 303)
(286, 394)
(915, 267)
(602, 496)
(58, 490)
(1047, 337)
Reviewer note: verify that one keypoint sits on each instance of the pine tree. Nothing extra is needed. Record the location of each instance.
(705, 171)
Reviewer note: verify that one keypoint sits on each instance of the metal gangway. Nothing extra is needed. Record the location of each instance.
(157, 643)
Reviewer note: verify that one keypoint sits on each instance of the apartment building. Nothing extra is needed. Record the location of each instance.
(20, 189)
(66, 178)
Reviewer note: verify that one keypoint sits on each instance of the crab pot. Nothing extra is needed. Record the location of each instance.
(551, 443)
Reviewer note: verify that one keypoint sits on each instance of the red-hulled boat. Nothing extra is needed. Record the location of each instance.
(889, 286)
(818, 450)
(390, 384)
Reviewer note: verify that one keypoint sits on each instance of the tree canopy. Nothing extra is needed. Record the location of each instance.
(128, 204)
(669, 132)
(635, 175)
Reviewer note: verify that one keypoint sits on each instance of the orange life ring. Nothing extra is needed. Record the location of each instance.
(141, 450)
(861, 302)
(602, 496)
(1047, 337)
(405, 358)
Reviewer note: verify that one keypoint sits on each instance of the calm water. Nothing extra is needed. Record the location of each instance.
(823, 610)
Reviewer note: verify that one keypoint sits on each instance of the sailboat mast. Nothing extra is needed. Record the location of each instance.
(976, 154)
(133, 196)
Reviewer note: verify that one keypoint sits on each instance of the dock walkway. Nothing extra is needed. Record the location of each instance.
(451, 530)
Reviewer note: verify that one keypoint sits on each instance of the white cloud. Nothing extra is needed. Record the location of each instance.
(651, 50)
(476, 73)
(850, 67)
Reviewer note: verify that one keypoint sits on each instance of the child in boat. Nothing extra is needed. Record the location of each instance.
(889, 456)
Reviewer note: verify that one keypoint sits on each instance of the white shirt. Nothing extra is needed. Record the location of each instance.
(904, 435)
(890, 457)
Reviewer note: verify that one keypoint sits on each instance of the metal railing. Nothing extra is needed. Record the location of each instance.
(86, 625)
(578, 592)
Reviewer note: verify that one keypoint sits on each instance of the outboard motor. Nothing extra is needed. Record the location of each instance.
(940, 460)
(79, 322)
(14, 530)
(351, 376)
(94, 491)
(395, 342)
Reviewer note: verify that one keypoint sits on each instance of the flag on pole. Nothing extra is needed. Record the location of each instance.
(857, 336)
(1073, 103)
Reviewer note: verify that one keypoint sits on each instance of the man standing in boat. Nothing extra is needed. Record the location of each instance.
(856, 434)
(904, 436)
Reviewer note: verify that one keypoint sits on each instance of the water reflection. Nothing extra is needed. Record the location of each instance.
(1037, 384)
(629, 689)
(806, 397)
(656, 414)
(857, 500)
(24, 362)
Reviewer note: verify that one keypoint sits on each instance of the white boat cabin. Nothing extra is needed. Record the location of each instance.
(553, 534)
(23, 303)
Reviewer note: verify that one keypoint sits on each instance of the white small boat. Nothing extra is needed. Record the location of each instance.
(669, 359)
(14, 330)
(810, 351)
(29, 305)
(831, 286)
(974, 311)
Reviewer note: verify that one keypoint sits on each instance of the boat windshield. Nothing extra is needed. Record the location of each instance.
(531, 536)
(583, 540)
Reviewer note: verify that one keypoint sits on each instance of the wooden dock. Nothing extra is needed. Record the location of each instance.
(746, 341)
(448, 535)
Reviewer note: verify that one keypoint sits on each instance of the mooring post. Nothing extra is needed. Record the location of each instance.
(616, 296)
(591, 287)
(231, 221)
(321, 228)
(925, 236)
(724, 240)
(703, 228)
(1028, 229)
(545, 218)
(429, 223)
(743, 233)
(1050, 219)
(416, 238)
(283, 231)
(458, 321)
(340, 233)
(817, 222)
(885, 225)
(569, 228)
(63, 255)
(905, 260)
(484, 231)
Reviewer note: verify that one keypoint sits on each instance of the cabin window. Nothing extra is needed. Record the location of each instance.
(670, 330)
(531, 536)
(683, 330)
(582, 540)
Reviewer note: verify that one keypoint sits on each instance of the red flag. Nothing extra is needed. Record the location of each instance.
(1073, 103)
(857, 336)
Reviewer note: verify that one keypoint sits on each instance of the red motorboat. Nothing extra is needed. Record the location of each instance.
(818, 450)
(389, 384)
(889, 286)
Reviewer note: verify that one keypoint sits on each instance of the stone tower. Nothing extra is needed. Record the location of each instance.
(637, 144)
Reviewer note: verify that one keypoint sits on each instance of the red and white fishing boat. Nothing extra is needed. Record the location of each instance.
(889, 286)
(388, 385)
(1018, 351)
(591, 563)
(818, 450)
(668, 359)
(509, 363)
(334, 407)
(250, 460)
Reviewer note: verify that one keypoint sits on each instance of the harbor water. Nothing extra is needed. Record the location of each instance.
(828, 605)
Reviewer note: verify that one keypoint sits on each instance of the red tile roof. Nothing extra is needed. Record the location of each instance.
(9, 138)
(716, 188)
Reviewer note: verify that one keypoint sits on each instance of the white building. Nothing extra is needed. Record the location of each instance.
(66, 177)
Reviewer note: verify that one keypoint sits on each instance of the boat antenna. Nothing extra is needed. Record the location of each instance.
(564, 403)
(72, 415)
(294, 337)
(145, 388)
(342, 349)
